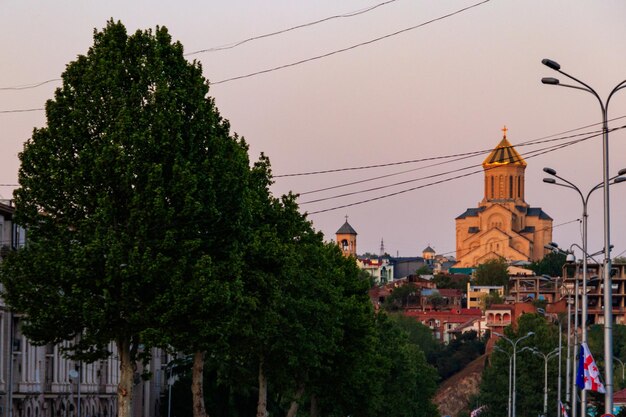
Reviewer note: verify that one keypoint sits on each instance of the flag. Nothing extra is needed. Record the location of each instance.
(563, 410)
(476, 412)
(588, 375)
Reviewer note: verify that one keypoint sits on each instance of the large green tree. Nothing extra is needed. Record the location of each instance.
(133, 188)
(551, 264)
(492, 272)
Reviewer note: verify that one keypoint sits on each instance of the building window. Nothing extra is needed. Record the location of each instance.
(510, 187)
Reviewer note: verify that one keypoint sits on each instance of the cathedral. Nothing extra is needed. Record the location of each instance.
(503, 225)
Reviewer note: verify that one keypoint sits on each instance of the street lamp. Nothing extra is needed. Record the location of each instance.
(514, 345)
(571, 259)
(560, 348)
(585, 200)
(499, 349)
(608, 296)
(546, 357)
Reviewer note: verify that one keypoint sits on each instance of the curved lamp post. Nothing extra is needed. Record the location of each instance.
(499, 349)
(560, 349)
(514, 345)
(585, 200)
(546, 357)
(608, 298)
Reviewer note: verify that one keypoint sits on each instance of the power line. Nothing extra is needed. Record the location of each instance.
(293, 64)
(528, 155)
(369, 200)
(35, 85)
(21, 110)
(467, 155)
(236, 44)
(29, 86)
(524, 143)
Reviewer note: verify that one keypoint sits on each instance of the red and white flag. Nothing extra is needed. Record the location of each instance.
(588, 375)
(563, 410)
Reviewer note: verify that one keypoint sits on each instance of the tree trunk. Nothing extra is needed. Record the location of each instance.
(197, 390)
(125, 386)
(315, 411)
(295, 404)
(261, 408)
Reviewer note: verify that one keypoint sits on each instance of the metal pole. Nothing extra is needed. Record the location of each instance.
(583, 394)
(569, 344)
(513, 413)
(575, 347)
(558, 381)
(80, 376)
(545, 385)
(510, 365)
(169, 394)
(608, 296)
(9, 398)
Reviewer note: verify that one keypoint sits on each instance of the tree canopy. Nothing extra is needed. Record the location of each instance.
(134, 184)
(492, 272)
(551, 265)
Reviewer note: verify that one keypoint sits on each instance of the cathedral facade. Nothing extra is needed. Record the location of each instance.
(503, 225)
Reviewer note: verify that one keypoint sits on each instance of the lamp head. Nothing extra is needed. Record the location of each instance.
(551, 64)
(550, 81)
(619, 179)
(570, 258)
(621, 171)
(549, 180)
(549, 170)
(553, 244)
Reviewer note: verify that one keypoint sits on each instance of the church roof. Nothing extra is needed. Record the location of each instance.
(429, 250)
(504, 154)
(346, 229)
(537, 211)
(470, 212)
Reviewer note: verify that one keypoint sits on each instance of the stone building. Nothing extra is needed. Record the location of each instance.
(503, 225)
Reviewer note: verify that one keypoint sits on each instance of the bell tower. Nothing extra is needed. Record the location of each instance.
(346, 239)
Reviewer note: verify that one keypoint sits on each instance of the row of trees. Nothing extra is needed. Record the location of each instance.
(147, 226)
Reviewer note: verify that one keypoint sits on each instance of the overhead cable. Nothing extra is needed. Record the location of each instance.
(338, 51)
(267, 35)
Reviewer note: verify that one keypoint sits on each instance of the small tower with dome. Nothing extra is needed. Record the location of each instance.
(346, 239)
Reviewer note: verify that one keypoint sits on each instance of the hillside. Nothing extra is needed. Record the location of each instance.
(454, 393)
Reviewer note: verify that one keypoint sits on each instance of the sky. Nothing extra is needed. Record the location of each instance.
(440, 81)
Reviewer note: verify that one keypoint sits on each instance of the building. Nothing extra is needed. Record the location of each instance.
(346, 239)
(380, 269)
(595, 284)
(476, 293)
(503, 225)
(37, 381)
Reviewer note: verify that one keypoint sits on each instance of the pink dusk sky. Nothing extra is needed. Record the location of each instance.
(443, 88)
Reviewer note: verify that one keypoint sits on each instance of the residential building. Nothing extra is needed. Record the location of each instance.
(595, 286)
(476, 293)
(503, 225)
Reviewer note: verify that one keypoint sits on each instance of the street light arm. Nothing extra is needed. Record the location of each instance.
(615, 90)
